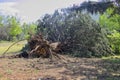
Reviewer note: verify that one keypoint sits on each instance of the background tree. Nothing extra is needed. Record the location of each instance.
(112, 26)
(25, 30)
(15, 29)
(32, 28)
(28, 29)
(4, 29)
(12, 29)
(1, 21)
(95, 7)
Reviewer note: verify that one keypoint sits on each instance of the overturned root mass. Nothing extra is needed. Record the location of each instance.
(39, 47)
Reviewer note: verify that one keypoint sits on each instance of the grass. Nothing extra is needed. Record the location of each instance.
(15, 48)
(112, 66)
(112, 57)
(9, 71)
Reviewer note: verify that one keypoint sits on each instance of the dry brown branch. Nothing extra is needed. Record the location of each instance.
(11, 46)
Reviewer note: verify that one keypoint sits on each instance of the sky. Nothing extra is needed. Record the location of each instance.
(32, 10)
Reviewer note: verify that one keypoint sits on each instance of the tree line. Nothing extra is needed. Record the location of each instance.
(11, 29)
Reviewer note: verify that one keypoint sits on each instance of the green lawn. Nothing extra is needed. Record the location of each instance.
(113, 59)
(15, 48)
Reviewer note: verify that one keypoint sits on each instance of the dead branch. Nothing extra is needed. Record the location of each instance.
(11, 46)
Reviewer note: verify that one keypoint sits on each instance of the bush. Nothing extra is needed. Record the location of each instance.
(114, 39)
(112, 26)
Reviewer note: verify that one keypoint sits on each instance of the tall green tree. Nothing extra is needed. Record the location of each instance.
(112, 25)
(15, 28)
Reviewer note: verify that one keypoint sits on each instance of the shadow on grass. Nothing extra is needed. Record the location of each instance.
(111, 69)
(102, 69)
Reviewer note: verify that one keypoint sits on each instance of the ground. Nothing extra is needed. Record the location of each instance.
(44, 69)
(70, 69)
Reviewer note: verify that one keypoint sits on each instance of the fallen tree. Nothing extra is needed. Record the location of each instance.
(38, 47)
(79, 34)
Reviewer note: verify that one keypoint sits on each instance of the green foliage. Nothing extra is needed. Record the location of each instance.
(114, 39)
(112, 24)
(25, 31)
(15, 28)
(4, 29)
(1, 19)
(11, 29)
(32, 28)
(28, 29)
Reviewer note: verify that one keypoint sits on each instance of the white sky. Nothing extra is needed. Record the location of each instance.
(32, 10)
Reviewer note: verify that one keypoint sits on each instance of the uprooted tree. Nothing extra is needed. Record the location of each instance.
(68, 32)
(38, 47)
(78, 33)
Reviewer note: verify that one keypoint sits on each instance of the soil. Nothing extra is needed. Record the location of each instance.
(70, 69)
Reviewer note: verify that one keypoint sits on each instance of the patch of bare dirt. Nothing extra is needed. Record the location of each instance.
(45, 69)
